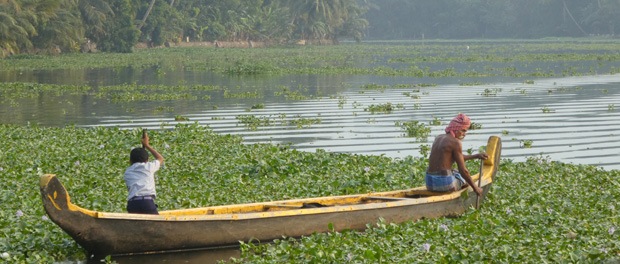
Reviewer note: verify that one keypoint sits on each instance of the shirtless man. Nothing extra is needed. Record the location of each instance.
(446, 151)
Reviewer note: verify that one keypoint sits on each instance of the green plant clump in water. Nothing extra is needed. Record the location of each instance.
(546, 109)
(534, 213)
(302, 122)
(435, 122)
(475, 126)
(380, 108)
(181, 118)
(526, 143)
(415, 129)
(252, 122)
(374, 86)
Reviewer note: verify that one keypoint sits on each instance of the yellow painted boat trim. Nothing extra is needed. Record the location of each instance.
(345, 203)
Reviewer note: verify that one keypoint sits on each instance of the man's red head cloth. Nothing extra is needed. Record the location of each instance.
(460, 122)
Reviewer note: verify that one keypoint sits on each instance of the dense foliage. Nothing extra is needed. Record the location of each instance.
(55, 26)
(537, 211)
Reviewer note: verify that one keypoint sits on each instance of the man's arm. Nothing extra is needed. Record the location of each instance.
(481, 156)
(457, 154)
(145, 143)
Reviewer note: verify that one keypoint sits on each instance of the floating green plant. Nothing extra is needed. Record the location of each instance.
(471, 84)
(252, 122)
(164, 109)
(258, 106)
(380, 108)
(435, 122)
(491, 92)
(526, 143)
(302, 122)
(546, 109)
(240, 95)
(291, 95)
(180, 118)
(425, 150)
(251, 67)
(374, 86)
(475, 126)
(341, 101)
(415, 129)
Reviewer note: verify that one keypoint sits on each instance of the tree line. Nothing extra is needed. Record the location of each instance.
(118, 25)
(51, 26)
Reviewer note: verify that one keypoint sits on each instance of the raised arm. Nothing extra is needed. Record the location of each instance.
(147, 145)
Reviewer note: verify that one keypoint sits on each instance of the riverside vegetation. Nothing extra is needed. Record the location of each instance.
(537, 211)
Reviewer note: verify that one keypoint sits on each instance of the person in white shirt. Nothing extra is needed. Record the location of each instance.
(140, 178)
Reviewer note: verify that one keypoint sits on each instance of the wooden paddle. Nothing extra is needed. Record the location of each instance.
(479, 184)
(143, 135)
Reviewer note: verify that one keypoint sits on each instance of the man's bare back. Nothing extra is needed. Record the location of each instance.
(442, 157)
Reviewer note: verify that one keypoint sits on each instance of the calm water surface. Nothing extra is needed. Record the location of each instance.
(572, 119)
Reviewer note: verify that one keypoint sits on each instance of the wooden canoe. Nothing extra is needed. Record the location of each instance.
(108, 233)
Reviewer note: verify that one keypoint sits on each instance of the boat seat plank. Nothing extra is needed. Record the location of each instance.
(389, 198)
(282, 206)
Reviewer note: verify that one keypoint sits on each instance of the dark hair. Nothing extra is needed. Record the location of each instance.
(138, 155)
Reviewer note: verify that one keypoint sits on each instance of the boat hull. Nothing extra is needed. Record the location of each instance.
(102, 233)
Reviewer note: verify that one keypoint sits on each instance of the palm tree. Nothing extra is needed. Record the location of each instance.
(94, 15)
(16, 27)
(308, 15)
(64, 31)
(146, 15)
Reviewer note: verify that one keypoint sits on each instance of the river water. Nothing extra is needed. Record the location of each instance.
(569, 119)
(573, 120)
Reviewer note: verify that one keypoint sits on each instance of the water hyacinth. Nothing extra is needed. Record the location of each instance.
(19, 213)
(426, 247)
(513, 223)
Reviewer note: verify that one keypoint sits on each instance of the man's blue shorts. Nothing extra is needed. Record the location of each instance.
(444, 183)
